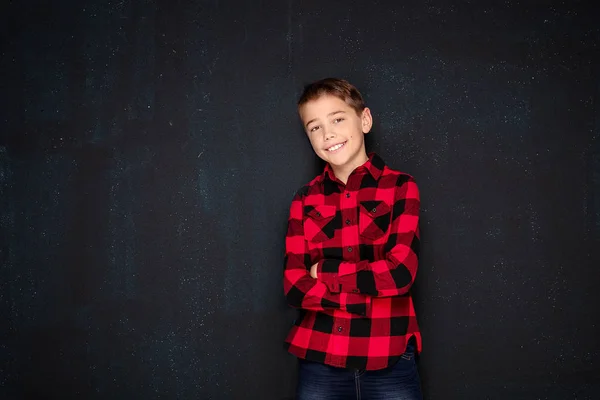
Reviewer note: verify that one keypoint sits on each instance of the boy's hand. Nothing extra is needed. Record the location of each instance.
(313, 271)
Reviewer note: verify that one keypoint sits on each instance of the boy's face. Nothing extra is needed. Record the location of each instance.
(336, 132)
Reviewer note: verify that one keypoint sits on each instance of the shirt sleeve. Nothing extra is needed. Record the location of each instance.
(393, 275)
(302, 290)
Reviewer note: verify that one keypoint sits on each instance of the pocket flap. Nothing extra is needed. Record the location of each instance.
(375, 208)
(320, 212)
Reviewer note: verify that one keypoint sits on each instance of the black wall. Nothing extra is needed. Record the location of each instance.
(149, 151)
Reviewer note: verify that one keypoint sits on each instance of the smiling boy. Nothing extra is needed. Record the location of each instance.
(351, 259)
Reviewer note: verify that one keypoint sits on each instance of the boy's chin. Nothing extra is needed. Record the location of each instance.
(331, 159)
(336, 162)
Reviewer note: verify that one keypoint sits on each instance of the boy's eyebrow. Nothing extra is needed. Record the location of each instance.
(329, 115)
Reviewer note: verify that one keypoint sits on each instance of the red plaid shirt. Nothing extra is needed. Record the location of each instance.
(364, 235)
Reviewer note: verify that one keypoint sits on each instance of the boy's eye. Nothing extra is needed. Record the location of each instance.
(338, 120)
(314, 128)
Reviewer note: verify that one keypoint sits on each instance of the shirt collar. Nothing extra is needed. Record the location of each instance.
(374, 166)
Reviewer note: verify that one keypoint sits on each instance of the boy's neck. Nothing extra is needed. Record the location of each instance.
(342, 172)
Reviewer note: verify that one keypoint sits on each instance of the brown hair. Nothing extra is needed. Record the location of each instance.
(339, 88)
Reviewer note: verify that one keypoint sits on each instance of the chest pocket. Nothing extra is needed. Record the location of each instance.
(320, 223)
(374, 218)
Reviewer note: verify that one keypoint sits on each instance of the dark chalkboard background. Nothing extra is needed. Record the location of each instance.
(149, 151)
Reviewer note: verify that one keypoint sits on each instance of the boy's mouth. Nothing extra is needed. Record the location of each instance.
(336, 147)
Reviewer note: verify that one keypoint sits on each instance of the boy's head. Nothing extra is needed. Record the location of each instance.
(339, 88)
(336, 119)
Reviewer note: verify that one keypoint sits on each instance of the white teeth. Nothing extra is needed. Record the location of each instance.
(334, 148)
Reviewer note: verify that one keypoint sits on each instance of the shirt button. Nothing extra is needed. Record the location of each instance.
(349, 249)
(347, 195)
(347, 222)
(374, 210)
(355, 290)
(339, 328)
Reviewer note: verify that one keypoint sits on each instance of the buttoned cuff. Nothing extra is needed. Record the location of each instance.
(328, 273)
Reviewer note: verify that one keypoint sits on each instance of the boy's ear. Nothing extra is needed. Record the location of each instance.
(366, 120)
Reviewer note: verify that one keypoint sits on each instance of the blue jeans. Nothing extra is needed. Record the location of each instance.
(318, 381)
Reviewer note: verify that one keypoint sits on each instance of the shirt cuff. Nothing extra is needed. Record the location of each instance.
(328, 273)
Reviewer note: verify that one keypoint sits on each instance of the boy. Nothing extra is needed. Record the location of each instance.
(351, 257)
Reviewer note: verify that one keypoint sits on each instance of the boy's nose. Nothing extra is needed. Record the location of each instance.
(328, 134)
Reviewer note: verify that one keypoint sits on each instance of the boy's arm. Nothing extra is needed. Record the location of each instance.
(394, 275)
(303, 291)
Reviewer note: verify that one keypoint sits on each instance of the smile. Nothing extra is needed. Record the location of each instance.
(336, 147)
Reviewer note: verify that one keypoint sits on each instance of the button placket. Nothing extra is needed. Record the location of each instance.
(348, 205)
